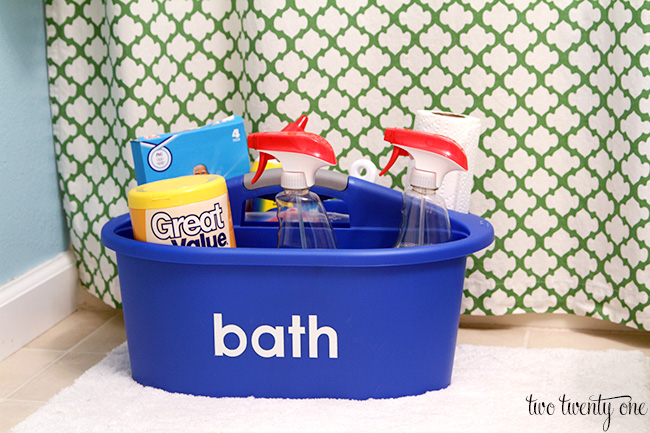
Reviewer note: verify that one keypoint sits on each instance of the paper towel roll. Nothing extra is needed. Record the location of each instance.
(464, 130)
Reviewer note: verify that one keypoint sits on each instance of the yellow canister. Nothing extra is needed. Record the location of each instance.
(188, 210)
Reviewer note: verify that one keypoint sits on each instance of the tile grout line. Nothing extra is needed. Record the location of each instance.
(35, 375)
(22, 400)
(65, 353)
(103, 325)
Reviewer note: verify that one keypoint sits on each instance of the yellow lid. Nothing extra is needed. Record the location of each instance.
(177, 191)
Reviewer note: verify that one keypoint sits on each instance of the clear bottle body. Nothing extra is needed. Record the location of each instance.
(303, 221)
(425, 219)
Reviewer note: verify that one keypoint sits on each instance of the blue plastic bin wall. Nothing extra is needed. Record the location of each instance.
(364, 321)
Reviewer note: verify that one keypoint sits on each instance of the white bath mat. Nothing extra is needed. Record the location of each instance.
(494, 389)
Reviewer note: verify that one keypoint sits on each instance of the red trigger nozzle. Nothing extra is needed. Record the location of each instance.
(264, 158)
(397, 151)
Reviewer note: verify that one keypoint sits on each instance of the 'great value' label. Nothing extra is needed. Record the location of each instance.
(201, 224)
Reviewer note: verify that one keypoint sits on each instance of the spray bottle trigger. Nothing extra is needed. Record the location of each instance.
(397, 151)
(264, 158)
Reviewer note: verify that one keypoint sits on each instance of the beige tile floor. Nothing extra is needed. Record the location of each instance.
(51, 362)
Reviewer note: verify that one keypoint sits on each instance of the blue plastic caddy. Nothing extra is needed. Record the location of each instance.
(363, 321)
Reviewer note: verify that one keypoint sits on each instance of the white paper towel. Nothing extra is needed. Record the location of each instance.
(464, 130)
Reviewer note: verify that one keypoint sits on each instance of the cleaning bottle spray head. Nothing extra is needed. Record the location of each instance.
(433, 155)
(298, 125)
(300, 153)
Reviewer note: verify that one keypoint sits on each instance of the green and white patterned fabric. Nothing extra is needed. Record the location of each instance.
(562, 88)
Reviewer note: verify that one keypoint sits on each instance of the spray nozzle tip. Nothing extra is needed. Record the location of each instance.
(298, 125)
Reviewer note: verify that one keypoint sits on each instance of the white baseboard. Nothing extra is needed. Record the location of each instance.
(37, 300)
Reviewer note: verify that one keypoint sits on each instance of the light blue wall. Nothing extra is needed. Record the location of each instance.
(32, 228)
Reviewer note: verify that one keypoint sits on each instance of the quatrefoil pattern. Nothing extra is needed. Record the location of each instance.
(562, 88)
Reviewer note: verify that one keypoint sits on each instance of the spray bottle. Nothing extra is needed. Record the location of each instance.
(301, 214)
(425, 219)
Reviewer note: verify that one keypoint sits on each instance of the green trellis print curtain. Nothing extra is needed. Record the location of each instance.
(562, 89)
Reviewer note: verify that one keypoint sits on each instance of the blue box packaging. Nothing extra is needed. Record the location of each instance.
(216, 148)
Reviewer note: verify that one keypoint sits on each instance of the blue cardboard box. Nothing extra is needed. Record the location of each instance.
(216, 148)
